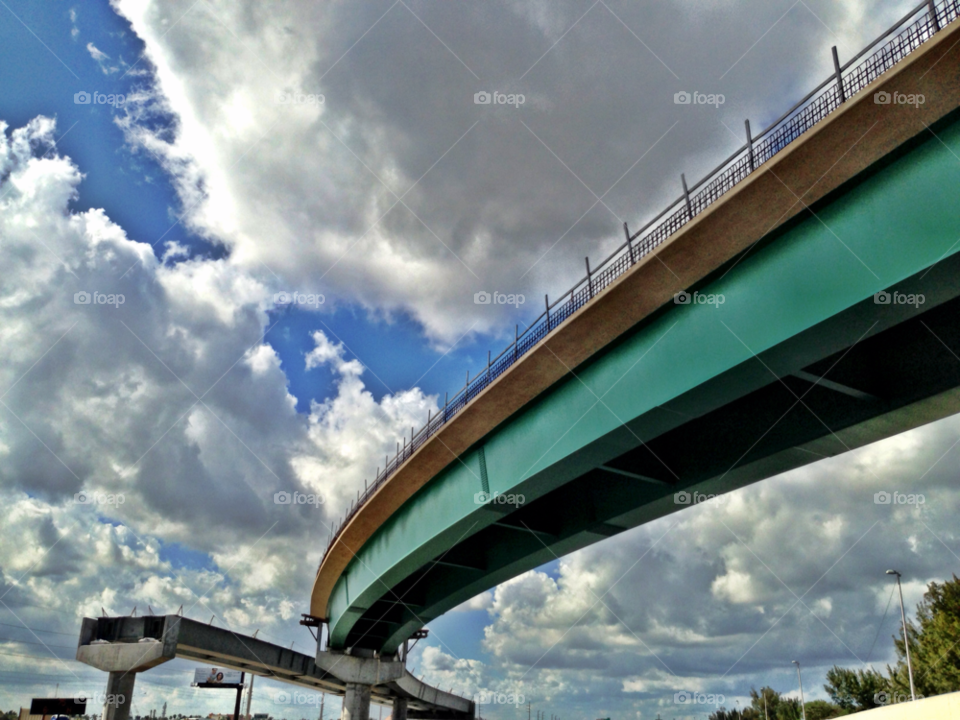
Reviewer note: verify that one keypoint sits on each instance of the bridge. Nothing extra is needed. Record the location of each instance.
(126, 646)
(801, 301)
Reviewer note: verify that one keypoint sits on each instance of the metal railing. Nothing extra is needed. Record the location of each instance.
(902, 38)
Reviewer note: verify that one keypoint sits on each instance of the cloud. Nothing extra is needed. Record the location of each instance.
(95, 53)
(483, 601)
(718, 596)
(101, 59)
(167, 413)
(399, 193)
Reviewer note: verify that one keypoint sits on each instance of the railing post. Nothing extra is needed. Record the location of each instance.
(516, 341)
(488, 366)
(589, 277)
(686, 195)
(932, 7)
(626, 231)
(836, 67)
(546, 301)
(446, 400)
(749, 144)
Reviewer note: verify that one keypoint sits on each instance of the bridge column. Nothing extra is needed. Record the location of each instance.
(359, 671)
(119, 696)
(400, 708)
(356, 702)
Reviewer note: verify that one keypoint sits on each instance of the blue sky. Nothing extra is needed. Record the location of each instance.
(46, 61)
(308, 199)
(136, 193)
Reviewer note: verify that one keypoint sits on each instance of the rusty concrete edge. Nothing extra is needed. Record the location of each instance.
(729, 226)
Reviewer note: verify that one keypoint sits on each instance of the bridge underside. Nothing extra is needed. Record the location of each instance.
(845, 383)
(799, 363)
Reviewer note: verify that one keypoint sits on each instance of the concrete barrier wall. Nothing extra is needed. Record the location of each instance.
(941, 707)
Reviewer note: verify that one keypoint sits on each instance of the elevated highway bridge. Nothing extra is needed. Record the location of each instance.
(832, 240)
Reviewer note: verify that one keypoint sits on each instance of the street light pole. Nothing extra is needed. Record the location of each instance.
(906, 640)
(803, 709)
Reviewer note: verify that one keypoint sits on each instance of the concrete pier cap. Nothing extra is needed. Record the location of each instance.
(361, 667)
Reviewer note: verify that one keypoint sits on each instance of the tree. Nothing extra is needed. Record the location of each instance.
(934, 653)
(722, 713)
(821, 710)
(777, 706)
(855, 690)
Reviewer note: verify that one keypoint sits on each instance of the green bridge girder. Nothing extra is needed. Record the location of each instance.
(699, 397)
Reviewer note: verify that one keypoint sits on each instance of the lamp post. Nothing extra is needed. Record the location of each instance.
(906, 640)
(803, 709)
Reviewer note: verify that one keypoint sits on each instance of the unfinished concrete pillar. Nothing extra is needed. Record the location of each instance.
(356, 702)
(119, 696)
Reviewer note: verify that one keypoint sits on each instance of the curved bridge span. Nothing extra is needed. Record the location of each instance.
(820, 253)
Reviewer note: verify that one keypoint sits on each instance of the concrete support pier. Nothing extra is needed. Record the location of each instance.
(356, 702)
(400, 708)
(119, 696)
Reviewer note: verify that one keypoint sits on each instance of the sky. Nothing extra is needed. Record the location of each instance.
(234, 151)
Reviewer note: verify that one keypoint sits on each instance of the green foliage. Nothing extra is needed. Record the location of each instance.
(723, 714)
(779, 708)
(934, 650)
(855, 690)
(821, 710)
